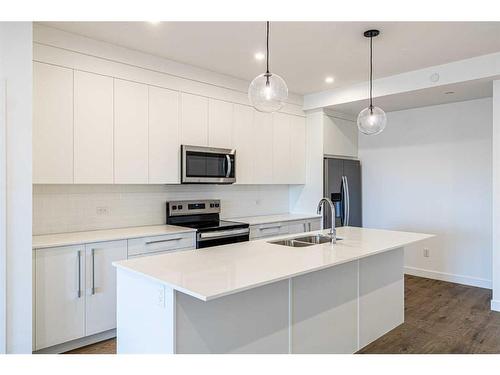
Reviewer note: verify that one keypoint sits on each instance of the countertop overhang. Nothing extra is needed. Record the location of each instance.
(219, 271)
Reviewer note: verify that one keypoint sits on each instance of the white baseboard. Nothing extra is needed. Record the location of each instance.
(495, 305)
(452, 278)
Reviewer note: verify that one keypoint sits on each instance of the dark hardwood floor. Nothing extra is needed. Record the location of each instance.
(440, 317)
(443, 318)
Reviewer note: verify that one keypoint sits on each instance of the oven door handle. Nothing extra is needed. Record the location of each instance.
(222, 234)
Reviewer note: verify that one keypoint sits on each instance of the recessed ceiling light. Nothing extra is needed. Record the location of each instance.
(259, 56)
(154, 22)
(329, 79)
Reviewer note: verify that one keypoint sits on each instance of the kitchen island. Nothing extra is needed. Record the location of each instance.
(260, 297)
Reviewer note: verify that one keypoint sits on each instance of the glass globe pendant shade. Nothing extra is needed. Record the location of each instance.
(371, 120)
(268, 92)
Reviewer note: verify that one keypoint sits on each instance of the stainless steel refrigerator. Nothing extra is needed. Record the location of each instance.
(342, 184)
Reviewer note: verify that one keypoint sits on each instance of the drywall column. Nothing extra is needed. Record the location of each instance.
(16, 66)
(495, 303)
(304, 198)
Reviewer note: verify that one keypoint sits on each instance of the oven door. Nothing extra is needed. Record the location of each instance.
(207, 165)
(222, 237)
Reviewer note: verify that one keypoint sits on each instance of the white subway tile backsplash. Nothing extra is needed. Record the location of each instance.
(69, 208)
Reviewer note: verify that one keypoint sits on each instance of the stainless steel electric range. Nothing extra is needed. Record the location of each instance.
(204, 216)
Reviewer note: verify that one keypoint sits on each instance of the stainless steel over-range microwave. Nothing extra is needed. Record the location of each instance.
(207, 165)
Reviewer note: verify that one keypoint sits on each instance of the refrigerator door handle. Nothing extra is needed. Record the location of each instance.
(344, 203)
(348, 201)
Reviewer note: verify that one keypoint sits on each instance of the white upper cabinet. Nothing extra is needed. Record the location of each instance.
(131, 132)
(95, 129)
(164, 136)
(52, 124)
(93, 126)
(340, 137)
(244, 134)
(297, 150)
(194, 120)
(281, 148)
(220, 124)
(263, 148)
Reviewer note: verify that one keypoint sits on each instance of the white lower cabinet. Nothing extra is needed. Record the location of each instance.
(75, 291)
(259, 231)
(60, 297)
(161, 244)
(100, 285)
(75, 286)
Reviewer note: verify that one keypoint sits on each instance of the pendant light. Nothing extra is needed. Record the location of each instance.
(268, 91)
(371, 120)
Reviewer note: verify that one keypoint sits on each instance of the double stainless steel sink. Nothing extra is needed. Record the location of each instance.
(304, 241)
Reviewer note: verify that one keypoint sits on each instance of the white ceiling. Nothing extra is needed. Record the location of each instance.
(421, 98)
(303, 53)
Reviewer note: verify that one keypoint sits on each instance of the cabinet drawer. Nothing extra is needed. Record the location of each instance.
(155, 244)
(268, 230)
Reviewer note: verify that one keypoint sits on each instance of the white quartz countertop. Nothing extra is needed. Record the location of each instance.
(215, 272)
(267, 219)
(78, 238)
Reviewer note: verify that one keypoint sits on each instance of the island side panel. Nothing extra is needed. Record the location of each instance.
(381, 295)
(324, 311)
(253, 321)
(145, 315)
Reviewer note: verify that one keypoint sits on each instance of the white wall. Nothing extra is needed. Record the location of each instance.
(16, 47)
(69, 208)
(430, 171)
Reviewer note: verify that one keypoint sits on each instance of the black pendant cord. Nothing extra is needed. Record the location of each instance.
(371, 74)
(267, 54)
(267, 48)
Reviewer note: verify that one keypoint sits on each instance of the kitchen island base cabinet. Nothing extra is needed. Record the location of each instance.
(338, 309)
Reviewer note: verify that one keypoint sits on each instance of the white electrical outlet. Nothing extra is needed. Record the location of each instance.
(102, 211)
(426, 252)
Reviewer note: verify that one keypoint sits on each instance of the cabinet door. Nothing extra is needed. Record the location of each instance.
(220, 124)
(297, 227)
(164, 137)
(52, 124)
(314, 224)
(93, 162)
(281, 148)
(101, 284)
(340, 137)
(59, 295)
(297, 150)
(243, 135)
(131, 132)
(263, 148)
(194, 120)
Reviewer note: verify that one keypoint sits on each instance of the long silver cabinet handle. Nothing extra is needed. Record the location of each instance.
(93, 271)
(309, 226)
(274, 227)
(166, 240)
(79, 255)
(305, 227)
